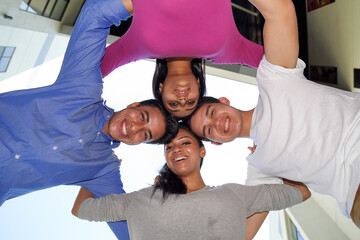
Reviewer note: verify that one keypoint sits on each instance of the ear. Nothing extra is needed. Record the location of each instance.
(216, 143)
(135, 104)
(161, 86)
(224, 100)
(202, 152)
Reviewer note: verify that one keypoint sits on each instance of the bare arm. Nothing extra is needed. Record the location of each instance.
(129, 6)
(82, 195)
(281, 42)
(253, 224)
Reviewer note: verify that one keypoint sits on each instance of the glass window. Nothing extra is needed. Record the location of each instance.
(5, 57)
(48, 8)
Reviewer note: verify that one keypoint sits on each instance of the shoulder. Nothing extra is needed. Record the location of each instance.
(269, 70)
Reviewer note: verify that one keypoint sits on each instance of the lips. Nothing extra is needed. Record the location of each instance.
(182, 93)
(124, 129)
(180, 158)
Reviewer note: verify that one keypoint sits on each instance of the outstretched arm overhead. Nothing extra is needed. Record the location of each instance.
(280, 32)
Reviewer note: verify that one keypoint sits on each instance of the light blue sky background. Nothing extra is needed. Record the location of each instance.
(46, 214)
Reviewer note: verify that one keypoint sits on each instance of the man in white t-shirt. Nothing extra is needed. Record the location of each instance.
(303, 131)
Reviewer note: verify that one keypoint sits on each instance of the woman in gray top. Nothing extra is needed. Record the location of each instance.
(181, 206)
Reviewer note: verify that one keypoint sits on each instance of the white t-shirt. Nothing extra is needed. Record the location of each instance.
(305, 132)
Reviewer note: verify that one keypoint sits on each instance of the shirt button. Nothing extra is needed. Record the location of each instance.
(17, 156)
(80, 140)
(108, 116)
(54, 147)
(98, 133)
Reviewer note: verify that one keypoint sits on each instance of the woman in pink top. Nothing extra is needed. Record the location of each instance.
(181, 32)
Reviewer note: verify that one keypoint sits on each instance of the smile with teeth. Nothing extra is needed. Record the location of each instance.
(227, 121)
(124, 131)
(180, 158)
(181, 92)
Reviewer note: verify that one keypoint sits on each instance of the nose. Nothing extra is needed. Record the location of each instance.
(182, 100)
(177, 149)
(136, 127)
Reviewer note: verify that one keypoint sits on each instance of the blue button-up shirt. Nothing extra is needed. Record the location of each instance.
(53, 135)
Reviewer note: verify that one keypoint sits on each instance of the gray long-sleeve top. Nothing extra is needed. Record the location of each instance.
(209, 213)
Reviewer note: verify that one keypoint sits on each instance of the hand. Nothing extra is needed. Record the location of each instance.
(252, 149)
(117, 157)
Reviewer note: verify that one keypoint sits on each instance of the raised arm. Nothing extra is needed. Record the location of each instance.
(281, 42)
(88, 40)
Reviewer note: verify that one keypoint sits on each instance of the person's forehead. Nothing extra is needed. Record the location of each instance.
(183, 134)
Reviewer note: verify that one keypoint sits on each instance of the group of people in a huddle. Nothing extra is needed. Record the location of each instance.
(306, 134)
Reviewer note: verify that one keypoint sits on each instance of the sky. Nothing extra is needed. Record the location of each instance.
(46, 214)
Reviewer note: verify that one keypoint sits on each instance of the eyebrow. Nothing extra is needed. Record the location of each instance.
(206, 114)
(147, 116)
(148, 120)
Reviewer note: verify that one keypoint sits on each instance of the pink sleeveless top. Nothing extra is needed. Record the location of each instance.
(182, 28)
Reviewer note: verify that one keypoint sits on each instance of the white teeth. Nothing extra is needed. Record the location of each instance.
(124, 129)
(179, 158)
(226, 124)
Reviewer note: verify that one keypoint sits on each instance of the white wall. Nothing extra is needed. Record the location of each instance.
(30, 48)
(334, 36)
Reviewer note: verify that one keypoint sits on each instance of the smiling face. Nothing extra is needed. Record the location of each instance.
(183, 154)
(217, 122)
(134, 125)
(180, 94)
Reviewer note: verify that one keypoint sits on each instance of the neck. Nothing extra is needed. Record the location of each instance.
(193, 183)
(106, 127)
(179, 65)
(246, 117)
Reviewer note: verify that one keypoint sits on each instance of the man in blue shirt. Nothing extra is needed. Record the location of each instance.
(64, 133)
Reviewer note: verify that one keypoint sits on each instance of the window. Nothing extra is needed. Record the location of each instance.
(357, 77)
(48, 8)
(5, 57)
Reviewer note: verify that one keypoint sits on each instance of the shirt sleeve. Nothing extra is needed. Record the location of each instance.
(256, 177)
(271, 197)
(88, 40)
(110, 208)
(268, 71)
(109, 184)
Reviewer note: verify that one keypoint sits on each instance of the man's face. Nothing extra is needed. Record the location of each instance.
(134, 125)
(217, 122)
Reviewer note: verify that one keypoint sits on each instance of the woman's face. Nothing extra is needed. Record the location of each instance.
(180, 94)
(183, 154)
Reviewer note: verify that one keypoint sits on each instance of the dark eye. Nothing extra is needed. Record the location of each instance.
(142, 116)
(186, 143)
(212, 113)
(190, 102)
(173, 104)
(145, 136)
(167, 148)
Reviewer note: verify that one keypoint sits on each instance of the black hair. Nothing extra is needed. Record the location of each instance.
(202, 101)
(168, 181)
(161, 70)
(171, 125)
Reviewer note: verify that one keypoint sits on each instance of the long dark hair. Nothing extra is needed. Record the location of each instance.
(168, 181)
(161, 70)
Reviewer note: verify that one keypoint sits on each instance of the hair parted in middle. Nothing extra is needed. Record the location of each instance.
(161, 70)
